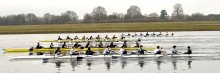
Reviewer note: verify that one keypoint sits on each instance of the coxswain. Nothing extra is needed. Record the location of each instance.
(189, 51)
(141, 50)
(89, 52)
(173, 50)
(107, 51)
(51, 45)
(58, 52)
(64, 45)
(59, 38)
(39, 46)
(73, 51)
(157, 50)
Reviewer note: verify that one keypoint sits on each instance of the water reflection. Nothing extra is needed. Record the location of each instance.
(123, 62)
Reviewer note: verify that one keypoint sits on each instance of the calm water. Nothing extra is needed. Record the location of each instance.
(200, 42)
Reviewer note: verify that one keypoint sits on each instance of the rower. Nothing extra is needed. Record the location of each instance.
(141, 50)
(73, 51)
(76, 38)
(172, 34)
(98, 37)
(76, 45)
(141, 34)
(157, 50)
(51, 45)
(59, 38)
(68, 38)
(64, 45)
(173, 50)
(106, 37)
(122, 51)
(88, 44)
(39, 46)
(84, 38)
(137, 44)
(91, 38)
(189, 51)
(139, 40)
(112, 45)
(114, 37)
(101, 45)
(58, 51)
(147, 34)
(125, 45)
(107, 51)
(89, 52)
(167, 34)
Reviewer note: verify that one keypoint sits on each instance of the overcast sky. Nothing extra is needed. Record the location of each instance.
(39, 7)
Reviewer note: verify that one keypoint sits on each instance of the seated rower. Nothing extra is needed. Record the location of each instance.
(147, 34)
(51, 45)
(125, 45)
(101, 45)
(189, 51)
(68, 38)
(91, 38)
(157, 50)
(114, 37)
(84, 38)
(141, 50)
(73, 51)
(106, 37)
(64, 45)
(98, 37)
(58, 52)
(172, 34)
(122, 51)
(76, 45)
(89, 52)
(137, 44)
(107, 51)
(76, 38)
(173, 50)
(59, 38)
(112, 45)
(39, 46)
(88, 44)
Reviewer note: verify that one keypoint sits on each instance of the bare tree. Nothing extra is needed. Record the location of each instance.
(178, 12)
(134, 12)
(87, 18)
(99, 13)
(70, 17)
(31, 18)
(153, 16)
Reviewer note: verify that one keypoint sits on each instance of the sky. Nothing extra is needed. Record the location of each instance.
(40, 7)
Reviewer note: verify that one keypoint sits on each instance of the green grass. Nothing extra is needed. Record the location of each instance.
(112, 27)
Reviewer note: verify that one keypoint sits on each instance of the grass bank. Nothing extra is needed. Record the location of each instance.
(112, 27)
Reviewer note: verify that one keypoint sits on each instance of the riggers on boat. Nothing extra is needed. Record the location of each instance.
(16, 50)
(93, 40)
(111, 56)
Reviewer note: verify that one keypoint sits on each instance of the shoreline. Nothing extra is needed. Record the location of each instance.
(111, 27)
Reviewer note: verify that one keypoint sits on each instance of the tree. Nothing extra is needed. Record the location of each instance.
(99, 13)
(87, 18)
(133, 12)
(154, 16)
(31, 18)
(163, 15)
(69, 17)
(178, 12)
(198, 17)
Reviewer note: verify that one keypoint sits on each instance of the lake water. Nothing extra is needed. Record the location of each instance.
(200, 42)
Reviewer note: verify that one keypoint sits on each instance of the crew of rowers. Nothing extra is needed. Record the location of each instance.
(123, 51)
(147, 34)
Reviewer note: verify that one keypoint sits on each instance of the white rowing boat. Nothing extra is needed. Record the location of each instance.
(112, 56)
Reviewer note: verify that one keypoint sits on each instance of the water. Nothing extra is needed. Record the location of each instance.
(200, 42)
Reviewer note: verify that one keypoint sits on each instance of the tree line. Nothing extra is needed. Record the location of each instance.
(99, 15)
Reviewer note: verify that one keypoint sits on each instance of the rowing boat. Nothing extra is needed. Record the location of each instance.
(112, 56)
(93, 40)
(14, 50)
